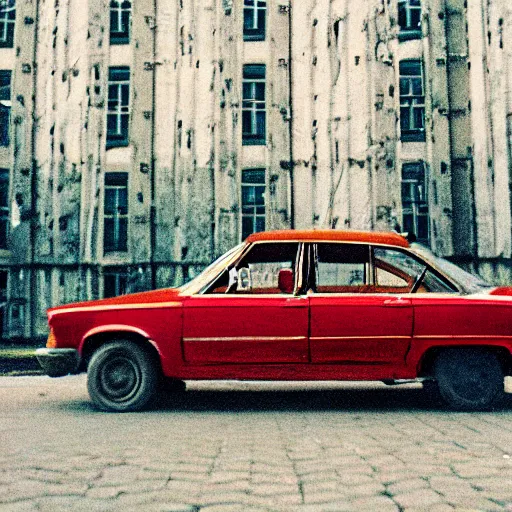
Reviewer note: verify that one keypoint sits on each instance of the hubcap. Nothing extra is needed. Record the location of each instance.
(120, 378)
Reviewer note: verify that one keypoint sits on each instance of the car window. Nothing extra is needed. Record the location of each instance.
(342, 268)
(398, 272)
(395, 271)
(258, 271)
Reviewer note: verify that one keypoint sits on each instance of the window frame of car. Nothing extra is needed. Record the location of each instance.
(301, 264)
(370, 273)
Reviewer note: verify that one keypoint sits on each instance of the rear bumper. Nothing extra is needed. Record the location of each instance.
(57, 362)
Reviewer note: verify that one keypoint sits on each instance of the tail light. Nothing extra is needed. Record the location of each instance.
(52, 340)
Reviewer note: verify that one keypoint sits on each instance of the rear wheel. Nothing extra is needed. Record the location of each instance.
(469, 379)
(121, 377)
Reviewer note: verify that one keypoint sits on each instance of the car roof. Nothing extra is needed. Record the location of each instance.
(330, 235)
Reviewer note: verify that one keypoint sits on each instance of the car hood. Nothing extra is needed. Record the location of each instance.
(151, 297)
(502, 290)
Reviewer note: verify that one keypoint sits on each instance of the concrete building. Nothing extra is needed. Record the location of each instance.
(140, 139)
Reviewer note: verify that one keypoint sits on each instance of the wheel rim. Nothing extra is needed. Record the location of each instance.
(120, 378)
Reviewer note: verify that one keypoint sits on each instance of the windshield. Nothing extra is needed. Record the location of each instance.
(469, 283)
(212, 270)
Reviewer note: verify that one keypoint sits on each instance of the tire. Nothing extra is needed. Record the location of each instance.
(121, 377)
(469, 379)
(432, 394)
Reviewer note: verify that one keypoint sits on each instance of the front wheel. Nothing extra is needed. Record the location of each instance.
(121, 377)
(469, 379)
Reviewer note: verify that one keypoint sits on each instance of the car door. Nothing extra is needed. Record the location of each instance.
(361, 313)
(244, 317)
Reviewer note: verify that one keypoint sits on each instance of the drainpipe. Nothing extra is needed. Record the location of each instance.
(33, 180)
(152, 219)
(290, 122)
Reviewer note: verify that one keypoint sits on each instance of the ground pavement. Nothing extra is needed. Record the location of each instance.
(245, 446)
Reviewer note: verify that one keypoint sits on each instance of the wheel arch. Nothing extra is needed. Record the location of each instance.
(95, 339)
(426, 362)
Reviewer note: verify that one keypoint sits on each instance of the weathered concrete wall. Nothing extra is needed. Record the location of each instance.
(333, 156)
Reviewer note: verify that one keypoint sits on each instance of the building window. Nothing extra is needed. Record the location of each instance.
(253, 201)
(254, 20)
(118, 115)
(120, 19)
(5, 106)
(115, 283)
(4, 207)
(7, 19)
(409, 19)
(412, 101)
(115, 216)
(253, 107)
(415, 211)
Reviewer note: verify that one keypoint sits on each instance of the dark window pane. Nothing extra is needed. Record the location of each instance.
(260, 91)
(417, 86)
(259, 195)
(119, 179)
(260, 224)
(122, 241)
(404, 119)
(5, 116)
(253, 176)
(247, 122)
(410, 68)
(248, 19)
(415, 18)
(248, 196)
(422, 232)
(247, 227)
(260, 123)
(255, 71)
(408, 222)
(4, 187)
(419, 118)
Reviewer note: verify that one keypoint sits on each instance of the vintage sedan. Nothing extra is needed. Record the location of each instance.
(296, 305)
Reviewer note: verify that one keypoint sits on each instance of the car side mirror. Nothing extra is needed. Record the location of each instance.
(244, 280)
(285, 280)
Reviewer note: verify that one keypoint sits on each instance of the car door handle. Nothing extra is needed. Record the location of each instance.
(295, 303)
(396, 303)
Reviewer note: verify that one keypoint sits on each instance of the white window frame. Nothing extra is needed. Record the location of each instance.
(409, 9)
(254, 215)
(4, 212)
(116, 216)
(253, 106)
(254, 7)
(413, 102)
(119, 34)
(415, 207)
(116, 107)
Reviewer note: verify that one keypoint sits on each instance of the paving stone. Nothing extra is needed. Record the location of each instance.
(418, 498)
(229, 476)
(324, 497)
(405, 486)
(371, 504)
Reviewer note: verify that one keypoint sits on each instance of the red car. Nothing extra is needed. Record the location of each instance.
(296, 305)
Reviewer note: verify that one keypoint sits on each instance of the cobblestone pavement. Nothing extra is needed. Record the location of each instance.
(247, 446)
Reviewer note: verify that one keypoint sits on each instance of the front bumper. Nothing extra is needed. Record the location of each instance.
(57, 362)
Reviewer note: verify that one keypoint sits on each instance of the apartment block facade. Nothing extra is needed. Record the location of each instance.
(141, 139)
